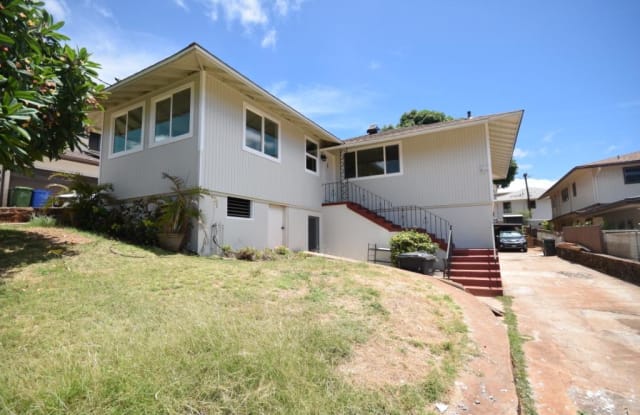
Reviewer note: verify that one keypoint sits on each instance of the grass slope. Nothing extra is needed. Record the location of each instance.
(103, 327)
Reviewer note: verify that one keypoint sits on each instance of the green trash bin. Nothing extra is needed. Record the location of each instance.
(21, 196)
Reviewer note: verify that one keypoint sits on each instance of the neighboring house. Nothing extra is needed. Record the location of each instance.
(281, 179)
(83, 161)
(515, 203)
(606, 193)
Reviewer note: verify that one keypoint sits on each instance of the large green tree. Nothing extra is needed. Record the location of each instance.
(46, 87)
(511, 174)
(415, 117)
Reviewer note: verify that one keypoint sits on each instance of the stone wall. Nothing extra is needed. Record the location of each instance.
(621, 268)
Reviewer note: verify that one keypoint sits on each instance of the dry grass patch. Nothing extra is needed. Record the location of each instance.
(114, 328)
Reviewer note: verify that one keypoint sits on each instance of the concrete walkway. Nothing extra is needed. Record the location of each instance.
(584, 330)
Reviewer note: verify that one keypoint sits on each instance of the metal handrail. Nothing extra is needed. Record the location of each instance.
(406, 217)
(447, 260)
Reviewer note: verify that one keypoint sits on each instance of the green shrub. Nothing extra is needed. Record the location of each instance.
(227, 251)
(282, 250)
(43, 221)
(248, 254)
(410, 241)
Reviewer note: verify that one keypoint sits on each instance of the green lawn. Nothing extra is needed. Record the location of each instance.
(104, 327)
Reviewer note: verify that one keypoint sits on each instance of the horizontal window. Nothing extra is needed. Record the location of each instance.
(172, 116)
(261, 134)
(127, 131)
(238, 208)
(311, 156)
(631, 175)
(376, 161)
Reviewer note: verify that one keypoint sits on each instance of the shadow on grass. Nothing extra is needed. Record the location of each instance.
(19, 248)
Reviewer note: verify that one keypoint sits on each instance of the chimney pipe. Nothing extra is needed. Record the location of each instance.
(468, 115)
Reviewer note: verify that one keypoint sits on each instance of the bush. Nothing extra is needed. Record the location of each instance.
(248, 254)
(282, 250)
(227, 251)
(410, 241)
(43, 221)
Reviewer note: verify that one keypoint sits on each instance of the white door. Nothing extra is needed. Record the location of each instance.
(328, 169)
(276, 226)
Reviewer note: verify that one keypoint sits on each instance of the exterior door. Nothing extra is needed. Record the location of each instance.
(276, 226)
(314, 234)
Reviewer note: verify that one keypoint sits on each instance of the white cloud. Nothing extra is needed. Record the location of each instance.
(269, 39)
(520, 153)
(548, 137)
(181, 4)
(284, 6)
(519, 184)
(104, 12)
(374, 65)
(58, 9)
(525, 167)
(248, 12)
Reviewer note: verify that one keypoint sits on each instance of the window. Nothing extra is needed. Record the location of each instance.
(261, 134)
(532, 204)
(127, 131)
(506, 206)
(574, 190)
(238, 208)
(172, 116)
(631, 174)
(376, 161)
(565, 194)
(311, 156)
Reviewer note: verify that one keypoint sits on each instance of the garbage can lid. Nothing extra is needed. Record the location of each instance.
(22, 188)
(417, 254)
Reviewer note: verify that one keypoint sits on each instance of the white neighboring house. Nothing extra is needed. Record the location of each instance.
(281, 179)
(605, 192)
(515, 203)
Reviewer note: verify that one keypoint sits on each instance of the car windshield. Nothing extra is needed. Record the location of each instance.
(510, 234)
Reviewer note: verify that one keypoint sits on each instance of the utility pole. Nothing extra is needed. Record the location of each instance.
(526, 185)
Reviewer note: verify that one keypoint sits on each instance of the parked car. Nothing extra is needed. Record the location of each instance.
(512, 240)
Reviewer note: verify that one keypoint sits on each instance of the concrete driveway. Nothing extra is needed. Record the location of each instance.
(584, 330)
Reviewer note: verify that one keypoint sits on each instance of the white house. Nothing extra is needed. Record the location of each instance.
(605, 192)
(515, 203)
(281, 179)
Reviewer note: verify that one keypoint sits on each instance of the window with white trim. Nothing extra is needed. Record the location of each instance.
(172, 116)
(238, 208)
(128, 130)
(375, 161)
(311, 156)
(261, 134)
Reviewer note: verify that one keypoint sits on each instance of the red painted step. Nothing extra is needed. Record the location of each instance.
(475, 265)
(471, 281)
(478, 270)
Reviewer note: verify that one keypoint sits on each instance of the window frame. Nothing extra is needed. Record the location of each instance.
(112, 133)
(629, 168)
(574, 189)
(152, 116)
(506, 207)
(564, 194)
(251, 210)
(316, 157)
(384, 146)
(263, 116)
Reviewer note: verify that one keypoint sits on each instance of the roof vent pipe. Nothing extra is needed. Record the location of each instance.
(373, 129)
(468, 115)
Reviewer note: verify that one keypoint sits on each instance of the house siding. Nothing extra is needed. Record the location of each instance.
(139, 173)
(229, 169)
(611, 187)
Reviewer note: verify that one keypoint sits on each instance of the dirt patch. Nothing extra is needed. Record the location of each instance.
(60, 236)
(401, 352)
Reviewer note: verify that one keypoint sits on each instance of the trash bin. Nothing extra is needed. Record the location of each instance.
(40, 197)
(21, 196)
(549, 246)
(422, 262)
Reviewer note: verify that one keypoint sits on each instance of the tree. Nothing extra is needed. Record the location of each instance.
(511, 174)
(46, 88)
(421, 117)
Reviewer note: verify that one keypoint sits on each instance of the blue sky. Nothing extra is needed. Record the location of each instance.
(573, 66)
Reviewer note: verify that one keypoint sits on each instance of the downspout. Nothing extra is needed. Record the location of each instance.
(201, 147)
(1, 186)
(490, 171)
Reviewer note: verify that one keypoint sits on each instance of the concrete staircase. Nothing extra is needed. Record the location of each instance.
(387, 224)
(478, 271)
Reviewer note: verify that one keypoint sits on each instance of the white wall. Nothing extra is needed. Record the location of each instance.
(611, 187)
(347, 234)
(472, 225)
(140, 173)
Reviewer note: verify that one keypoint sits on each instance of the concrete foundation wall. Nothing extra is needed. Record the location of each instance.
(624, 244)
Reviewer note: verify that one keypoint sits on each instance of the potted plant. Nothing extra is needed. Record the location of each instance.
(177, 210)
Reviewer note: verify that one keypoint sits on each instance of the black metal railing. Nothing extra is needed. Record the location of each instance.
(447, 258)
(406, 217)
